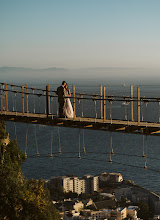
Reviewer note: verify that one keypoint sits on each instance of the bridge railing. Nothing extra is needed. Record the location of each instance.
(25, 99)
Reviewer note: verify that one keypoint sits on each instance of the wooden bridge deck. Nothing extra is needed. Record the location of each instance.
(133, 127)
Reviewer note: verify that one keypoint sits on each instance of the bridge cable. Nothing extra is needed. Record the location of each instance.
(57, 107)
(145, 165)
(51, 155)
(44, 93)
(39, 103)
(143, 155)
(111, 149)
(34, 102)
(15, 130)
(159, 111)
(95, 105)
(142, 110)
(59, 141)
(79, 144)
(35, 134)
(12, 86)
(4, 100)
(52, 106)
(84, 148)
(26, 141)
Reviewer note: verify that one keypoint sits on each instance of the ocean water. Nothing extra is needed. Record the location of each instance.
(128, 148)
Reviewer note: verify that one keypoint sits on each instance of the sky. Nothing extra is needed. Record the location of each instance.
(80, 33)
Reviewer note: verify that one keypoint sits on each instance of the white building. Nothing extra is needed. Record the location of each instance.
(111, 177)
(86, 184)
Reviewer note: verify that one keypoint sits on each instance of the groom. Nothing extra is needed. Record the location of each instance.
(60, 93)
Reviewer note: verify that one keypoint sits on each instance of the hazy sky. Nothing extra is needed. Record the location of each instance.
(80, 33)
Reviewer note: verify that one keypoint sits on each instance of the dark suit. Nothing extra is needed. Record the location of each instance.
(60, 93)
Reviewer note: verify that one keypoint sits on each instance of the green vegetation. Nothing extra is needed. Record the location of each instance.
(21, 198)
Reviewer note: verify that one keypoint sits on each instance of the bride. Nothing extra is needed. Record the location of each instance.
(67, 109)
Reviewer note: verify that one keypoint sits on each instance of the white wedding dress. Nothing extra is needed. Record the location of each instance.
(68, 110)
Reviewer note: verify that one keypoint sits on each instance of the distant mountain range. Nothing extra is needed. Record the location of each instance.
(96, 74)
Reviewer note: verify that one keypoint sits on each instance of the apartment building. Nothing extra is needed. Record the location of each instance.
(86, 184)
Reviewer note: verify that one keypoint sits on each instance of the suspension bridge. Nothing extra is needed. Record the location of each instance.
(99, 111)
(21, 103)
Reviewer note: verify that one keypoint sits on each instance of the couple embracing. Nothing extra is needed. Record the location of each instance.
(65, 106)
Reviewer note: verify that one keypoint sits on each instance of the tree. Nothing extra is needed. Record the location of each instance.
(143, 211)
(21, 198)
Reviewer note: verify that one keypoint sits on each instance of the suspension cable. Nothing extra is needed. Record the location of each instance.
(84, 148)
(35, 134)
(59, 141)
(51, 155)
(26, 141)
(79, 145)
(145, 165)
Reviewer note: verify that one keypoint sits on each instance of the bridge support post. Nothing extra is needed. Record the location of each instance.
(49, 100)
(101, 103)
(26, 98)
(1, 98)
(74, 101)
(104, 102)
(22, 100)
(47, 109)
(6, 98)
(139, 104)
(131, 89)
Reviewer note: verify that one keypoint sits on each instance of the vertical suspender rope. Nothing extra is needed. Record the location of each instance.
(39, 95)
(4, 100)
(44, 93)
(52, 106)
(59, 141)
(142, 110)
(34, 104)
(57, 106)
(15, 130)
(143, 155)
(145, 165)
(13, 98)
(26, 141)
(35, 134)
(51, 155)
(15, 101)
(84, 148)
(159, 111)
(79, 144)
(110, 158)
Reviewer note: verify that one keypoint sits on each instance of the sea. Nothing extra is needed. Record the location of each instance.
(83, 151)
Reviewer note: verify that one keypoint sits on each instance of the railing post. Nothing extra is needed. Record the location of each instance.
(101, 102)
(6, 98)
(22, 100)
(26, 98)
(47, 110)
(49, 100)
(74, 101)
(131, 102)
(104, 102)
(139, 104)
(1, 98)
